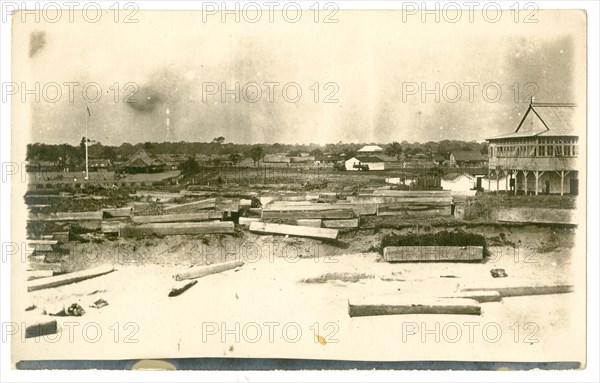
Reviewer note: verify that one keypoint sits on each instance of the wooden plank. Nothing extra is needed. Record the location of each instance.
(37, 274)
(309, 222)
(69, 216)
(209, 203)
(340, 223)
(211, 227)
(521, 291)
(359, 208)
(122, 212)
(61, 236)
(189, 217)
(421, 306)
(298, 214)
(228, 206)
(202, 271)
(411, 193)
(536, 215)
(415, 213)
(245, 203)
(433, 253)
(41, 244)
(246, 221)
(478, 295)
(302, 206)
(69, 278)
(298, 231)
(392, 199)
(41, 328)
(112, 227)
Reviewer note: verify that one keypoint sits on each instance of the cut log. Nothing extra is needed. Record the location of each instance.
(212, 227)
(228, 206)
(298, 231)
(478, 295)
(412, 211)
(340, 223)
(202, 271)
(359, 208)
(536, 215)
(423, 306)
(308, 214)
(122, 212)
(522, 291)
(189, 217)
(309, 222)
(433, 253)
(37, 274)
(209, 203)
(41, 328)
(181, 289)
(69, 278)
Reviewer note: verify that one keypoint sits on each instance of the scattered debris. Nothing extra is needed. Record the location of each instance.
(75, 310)
(344, 277)
(181, 289)
(99, 304)
(498, 273)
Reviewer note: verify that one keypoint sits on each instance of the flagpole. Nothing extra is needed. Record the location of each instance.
(87, 172)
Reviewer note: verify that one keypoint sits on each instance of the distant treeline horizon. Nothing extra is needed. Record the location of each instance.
(219, 146)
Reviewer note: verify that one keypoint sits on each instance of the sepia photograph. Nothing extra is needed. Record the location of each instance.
(258, 186)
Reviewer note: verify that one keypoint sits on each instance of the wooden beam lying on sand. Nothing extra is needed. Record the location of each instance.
(433, 253)
(422, 306)
(308, 214)
(521, 291)
(209, 203)
(37, 274)
(177, 228)
(478, 295)
(340, 223)
(298, 231)
(189, 217)
(69, 278)
(202, 271)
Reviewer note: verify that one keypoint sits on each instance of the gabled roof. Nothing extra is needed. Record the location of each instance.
(545, 120)
(371, 148)
(468, 156)
(143, 159)
(368, 159)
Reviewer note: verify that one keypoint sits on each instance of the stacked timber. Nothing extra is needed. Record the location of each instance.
(68, 216)
(297, 231)
(306, 211)
(189, 217)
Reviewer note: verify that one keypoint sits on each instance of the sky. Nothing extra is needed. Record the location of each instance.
(373, 68)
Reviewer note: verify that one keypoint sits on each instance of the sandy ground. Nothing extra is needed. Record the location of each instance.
(264, 310)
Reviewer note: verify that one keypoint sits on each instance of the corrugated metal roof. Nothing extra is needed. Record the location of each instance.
(547, 120)
(371, 148)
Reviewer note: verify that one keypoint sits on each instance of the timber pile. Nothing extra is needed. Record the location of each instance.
(433, 253)
(298, 231)
(211, 227)
(421, 306)
(75, 216)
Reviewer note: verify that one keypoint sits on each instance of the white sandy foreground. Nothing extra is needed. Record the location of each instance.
(262, 310)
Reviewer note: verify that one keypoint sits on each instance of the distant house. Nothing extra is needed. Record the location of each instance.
(459, 182)
(439, 159)
(143, 162)
(42, 166)
(328, 159)
(96, 165)
(365, 163)
(370, 149)
(468, 159)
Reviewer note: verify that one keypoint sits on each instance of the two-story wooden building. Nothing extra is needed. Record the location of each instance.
(541, 155)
